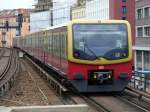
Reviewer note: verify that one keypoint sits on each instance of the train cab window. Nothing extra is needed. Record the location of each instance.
(93, 41)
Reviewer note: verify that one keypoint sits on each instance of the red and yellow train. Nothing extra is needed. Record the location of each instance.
(92, 55)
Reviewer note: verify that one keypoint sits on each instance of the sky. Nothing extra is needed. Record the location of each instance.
(14, 4)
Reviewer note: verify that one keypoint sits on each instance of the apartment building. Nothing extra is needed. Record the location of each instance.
(142, 41)
(16, 26)
(43, 5)
(78, 12)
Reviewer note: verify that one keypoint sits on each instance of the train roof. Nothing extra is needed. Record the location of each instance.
(81, 21)
(85, 21)
(56, 26)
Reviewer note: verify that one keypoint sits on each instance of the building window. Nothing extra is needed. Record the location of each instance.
(16, 19)
(139, 59)
(24, 19)
(124, 9)
(123, 0)
(139, 32)
(146, 60)
(147, 31)
(139, 13)
(147, 12)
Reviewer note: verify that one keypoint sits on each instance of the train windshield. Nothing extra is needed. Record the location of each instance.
(93, 41)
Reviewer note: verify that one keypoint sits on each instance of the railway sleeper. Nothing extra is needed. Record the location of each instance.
(52, 82)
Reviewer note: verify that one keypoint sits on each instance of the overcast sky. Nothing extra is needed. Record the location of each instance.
(14, 4)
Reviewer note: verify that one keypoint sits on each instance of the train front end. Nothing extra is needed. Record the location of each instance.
(100, 55)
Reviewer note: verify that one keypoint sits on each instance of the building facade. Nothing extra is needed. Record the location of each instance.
(106, 10)
(78, 12)
(142, 41)
(39, 21)
(15, 28)
(61, 12)
(43, 5)
(55, 12)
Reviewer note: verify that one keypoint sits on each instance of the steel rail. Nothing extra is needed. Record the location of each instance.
(2, 52)
(140, 93)
(59, 88)
(97, 105)
(52, 81)
(6, 84)
(89, 100)
(128, 100)
(2, 75)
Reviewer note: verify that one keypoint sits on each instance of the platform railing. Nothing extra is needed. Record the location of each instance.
(140, 81)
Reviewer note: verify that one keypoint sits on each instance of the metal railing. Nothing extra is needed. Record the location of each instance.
(140, 81)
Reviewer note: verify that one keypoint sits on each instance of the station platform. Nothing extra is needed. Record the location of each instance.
(56, 108)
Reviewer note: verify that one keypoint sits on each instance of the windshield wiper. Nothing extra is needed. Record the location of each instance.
(96, 57)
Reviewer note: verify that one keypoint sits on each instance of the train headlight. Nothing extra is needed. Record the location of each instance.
(109, 76)
(95, 76)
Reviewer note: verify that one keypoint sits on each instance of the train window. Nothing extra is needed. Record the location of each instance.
(63, 46)
(54, 44)
(50, 43)
(58, 45)
(46, 42)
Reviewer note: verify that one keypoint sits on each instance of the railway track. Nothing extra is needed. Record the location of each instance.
(31, 88)
(98, 103)
(8, 71)
(2, 51)
(98, 106)
(134, 100)
(113, 104)
(4, 59)
(7, 66)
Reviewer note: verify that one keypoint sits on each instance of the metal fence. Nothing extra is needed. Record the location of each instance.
(141, 81)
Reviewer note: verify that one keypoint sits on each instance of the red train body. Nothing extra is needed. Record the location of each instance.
(55, 48)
